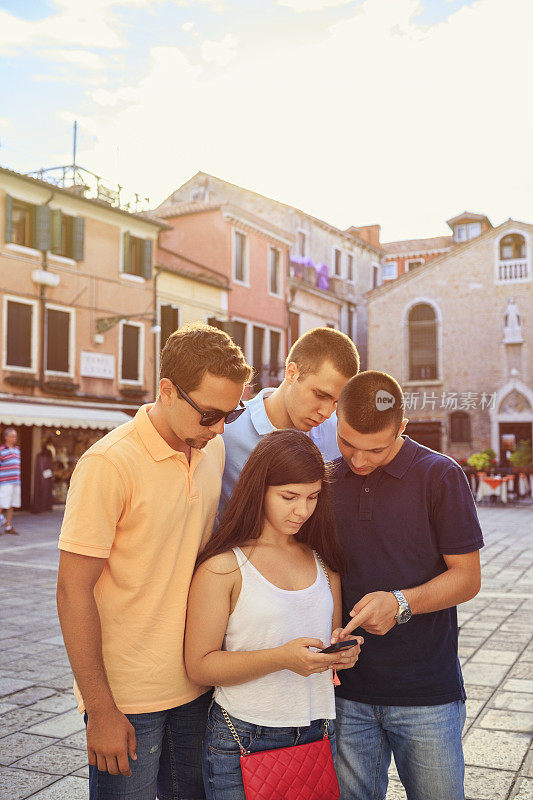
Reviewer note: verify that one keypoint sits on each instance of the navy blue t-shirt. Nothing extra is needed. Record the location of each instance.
(395, 525)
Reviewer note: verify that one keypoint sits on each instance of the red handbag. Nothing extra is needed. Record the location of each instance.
(300, 772)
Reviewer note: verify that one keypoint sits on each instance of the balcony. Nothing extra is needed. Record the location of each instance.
(513, 270)
(338, 286)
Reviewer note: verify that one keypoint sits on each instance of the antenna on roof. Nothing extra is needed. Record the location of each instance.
(75, 136)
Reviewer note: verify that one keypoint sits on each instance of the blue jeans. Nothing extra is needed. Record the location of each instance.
(169, 757)
(425, 742)
(221, 762)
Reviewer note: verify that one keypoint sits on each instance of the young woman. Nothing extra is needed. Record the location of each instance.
(260, 605)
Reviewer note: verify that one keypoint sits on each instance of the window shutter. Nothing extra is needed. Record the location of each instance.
(130, 353)
(169, 322)
(18, 334)
(78, 238)
(56, 232)
(237, 331)
(57, 340)
(126, 252)
(9, 214)
(43, 228)
(147, 252)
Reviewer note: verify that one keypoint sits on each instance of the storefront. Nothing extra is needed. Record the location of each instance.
(52, 438)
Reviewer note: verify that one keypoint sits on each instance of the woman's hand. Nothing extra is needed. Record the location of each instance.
(296, 656)
(346, 658)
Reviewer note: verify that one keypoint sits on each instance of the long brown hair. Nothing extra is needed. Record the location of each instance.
(281, 457)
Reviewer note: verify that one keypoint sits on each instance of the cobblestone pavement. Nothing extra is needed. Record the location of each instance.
(42, 740)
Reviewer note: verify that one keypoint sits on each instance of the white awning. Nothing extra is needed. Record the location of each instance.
(50, 416)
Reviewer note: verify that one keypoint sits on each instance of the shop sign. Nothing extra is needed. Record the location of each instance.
(97, 365)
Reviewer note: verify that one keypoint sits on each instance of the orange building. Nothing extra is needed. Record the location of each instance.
(76, 316)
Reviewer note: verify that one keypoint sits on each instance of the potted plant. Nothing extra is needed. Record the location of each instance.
(521, 457)
(483, 461)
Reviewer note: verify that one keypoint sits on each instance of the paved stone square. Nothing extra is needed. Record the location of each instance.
(42, 740)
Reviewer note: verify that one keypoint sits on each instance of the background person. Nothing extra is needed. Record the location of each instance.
(141, 502)
(317, 367)
(258, 601)
(410, 538)
(9, 478)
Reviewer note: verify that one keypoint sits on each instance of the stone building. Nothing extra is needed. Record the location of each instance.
(409, 254)
(76, 317)
(330, 270)
(457, 333)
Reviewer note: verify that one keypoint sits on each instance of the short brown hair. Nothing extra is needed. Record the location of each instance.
(324, 344)
(365, 409)
(197, 348)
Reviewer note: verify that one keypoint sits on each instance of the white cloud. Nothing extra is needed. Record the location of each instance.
(221, 52)
(109, 99)
(187, 27)
(312, 5)
(215, 5)
(77, 24)
(381, 121)
(80, 58)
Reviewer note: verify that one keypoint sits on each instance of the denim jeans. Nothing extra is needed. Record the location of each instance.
(169, 757)
(221, 761)
(425, 742)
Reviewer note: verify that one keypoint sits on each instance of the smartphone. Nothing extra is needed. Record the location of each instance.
(344, 645)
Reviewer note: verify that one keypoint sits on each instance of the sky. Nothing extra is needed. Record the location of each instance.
(397, 112)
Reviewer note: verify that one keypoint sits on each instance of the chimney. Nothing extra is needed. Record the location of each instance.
(368, 233)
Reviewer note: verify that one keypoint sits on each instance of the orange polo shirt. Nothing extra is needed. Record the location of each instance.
(138, 503)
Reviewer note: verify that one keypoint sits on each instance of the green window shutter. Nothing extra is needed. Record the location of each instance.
(78, 238)
(126, 252)
(56, 232)
(9, 214)
(43, 229)
(147, 251)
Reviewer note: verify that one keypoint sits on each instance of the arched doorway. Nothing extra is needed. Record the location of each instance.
(512, 419)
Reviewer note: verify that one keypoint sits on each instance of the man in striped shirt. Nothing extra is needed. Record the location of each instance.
(9, 477)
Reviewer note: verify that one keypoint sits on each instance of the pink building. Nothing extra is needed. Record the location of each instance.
(253, 255)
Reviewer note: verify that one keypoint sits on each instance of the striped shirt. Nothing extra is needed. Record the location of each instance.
(10, 465)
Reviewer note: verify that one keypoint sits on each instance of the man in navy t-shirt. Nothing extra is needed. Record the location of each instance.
(410, 536)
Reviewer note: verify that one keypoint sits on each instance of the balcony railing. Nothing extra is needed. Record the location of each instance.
(85, 183)
(513, 270)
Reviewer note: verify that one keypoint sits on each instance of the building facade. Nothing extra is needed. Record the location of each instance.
(186, 291)
(329, 271)
(409, 254)
(457, 333)
(250, 254)
(77, 310)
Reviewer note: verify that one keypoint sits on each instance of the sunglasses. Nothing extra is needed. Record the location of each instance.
(208, 418)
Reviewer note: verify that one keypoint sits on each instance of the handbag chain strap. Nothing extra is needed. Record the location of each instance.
(336, 681)
(225, 714)
(234, 733)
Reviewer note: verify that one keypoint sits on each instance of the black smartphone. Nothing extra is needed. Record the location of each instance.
(344, 645)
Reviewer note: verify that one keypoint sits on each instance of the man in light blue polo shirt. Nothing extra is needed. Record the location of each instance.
(318, 366)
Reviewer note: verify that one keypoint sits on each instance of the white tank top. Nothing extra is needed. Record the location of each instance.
(266, 616)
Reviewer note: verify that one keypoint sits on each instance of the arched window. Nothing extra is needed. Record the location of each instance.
(512, 246)
(422, 343)
(460, 427)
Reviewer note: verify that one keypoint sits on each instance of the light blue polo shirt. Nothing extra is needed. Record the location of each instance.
(240, 438)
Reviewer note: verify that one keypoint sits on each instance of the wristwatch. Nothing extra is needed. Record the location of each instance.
(404, 613)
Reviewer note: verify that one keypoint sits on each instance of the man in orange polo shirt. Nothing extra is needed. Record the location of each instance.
(141, 502)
